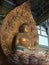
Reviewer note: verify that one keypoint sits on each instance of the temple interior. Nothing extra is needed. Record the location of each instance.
(24, 32)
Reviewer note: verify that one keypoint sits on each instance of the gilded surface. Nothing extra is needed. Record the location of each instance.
(19, 36)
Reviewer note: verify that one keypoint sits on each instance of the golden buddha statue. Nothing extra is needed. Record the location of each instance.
(19, 36)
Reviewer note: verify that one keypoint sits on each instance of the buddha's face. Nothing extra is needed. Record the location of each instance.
(25, 28)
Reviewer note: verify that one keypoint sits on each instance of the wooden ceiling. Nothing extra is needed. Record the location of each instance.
(40, 10)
